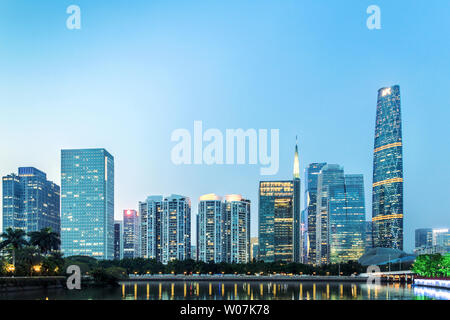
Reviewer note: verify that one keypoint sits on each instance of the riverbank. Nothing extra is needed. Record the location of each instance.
(434, 283)
(8, 284)
(234, 278)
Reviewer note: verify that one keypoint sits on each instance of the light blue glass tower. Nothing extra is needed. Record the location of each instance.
(87, 203)
(30, 201)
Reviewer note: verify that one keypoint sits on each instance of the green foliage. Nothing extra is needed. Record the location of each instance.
(109, 276)
(46, 240)
(432, 265)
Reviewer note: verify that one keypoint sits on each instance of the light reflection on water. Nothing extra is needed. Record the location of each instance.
(228, 290)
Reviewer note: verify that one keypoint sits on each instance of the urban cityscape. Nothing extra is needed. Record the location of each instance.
(204, 157)
(331, 229)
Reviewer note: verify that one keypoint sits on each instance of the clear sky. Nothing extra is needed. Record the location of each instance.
(137, 70)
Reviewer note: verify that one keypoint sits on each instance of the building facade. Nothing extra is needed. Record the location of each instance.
(387, 187)
(118, 247)
(297, 227)
(211, 228)
(311, 174)
(131, 234)
(369, 238)
(30, 201)
(236, 246)
(275, 232)
(150, 212)
(175, 229)
(87, 203)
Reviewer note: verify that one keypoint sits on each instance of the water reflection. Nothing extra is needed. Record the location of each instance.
(228, 290)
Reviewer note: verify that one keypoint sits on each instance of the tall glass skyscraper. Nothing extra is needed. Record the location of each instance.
(211, 228)
(275, 232)
(387, 188)
(131, 234)
(311, 174)
(87, 203)
(297, 228)
(176, 229)
(30, 201)
(340, 216)
(347, 219)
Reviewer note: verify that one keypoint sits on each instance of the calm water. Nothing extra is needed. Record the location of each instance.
(193, 290)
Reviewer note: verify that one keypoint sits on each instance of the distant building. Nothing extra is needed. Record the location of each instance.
(387, 187)
(194, 253)
(30, 201)
(311, 174)
(176, 229)
(223, 229)
(254, 249)
(340, 216)
(368, 239)
(211, 229)
(275, 232)
(297, 227)
(430, 241)
(131, 234)
(150, 212)
(118, 248)
(87, 203)
(236, 247)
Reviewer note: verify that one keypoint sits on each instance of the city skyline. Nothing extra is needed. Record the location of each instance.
(81, 89)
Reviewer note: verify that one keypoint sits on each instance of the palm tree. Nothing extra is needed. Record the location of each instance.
(46, 240)
(14, 238)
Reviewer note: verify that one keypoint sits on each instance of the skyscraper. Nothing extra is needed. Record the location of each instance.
(275, 232)
(118, 248)
(297, 228)
(131, 234)
(387, 188)
(87, 203)
(254, 250)
(311, 174)
(347, 219)
(236, 215)
(150, 212)
(176, 229)
(424, 238)
(30, 201)
(340, 215)
(368, 238)
(211, 228)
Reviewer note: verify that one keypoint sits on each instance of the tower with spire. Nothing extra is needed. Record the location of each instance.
(297, 232)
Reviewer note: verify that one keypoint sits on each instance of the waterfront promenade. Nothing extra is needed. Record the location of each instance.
(234, 278)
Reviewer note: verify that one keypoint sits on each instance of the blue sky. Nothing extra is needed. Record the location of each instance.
(136, 72)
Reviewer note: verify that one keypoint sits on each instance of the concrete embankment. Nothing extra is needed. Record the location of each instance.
(235, 278)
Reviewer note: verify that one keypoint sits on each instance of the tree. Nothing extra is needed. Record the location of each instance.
(46, 240)
(15, 238)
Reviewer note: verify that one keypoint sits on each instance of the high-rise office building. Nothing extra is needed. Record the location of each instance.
(368, 237)
(297, 228)
(387, 188)
(311, 174)
(347, 219)
(236, 234)
(87, 203)
(424, 238)
(30, 201)
(131, 234)
(211, 228)
(118, 248)
(340, 215)
(150, 212)
(432, 240)
(176, 229)
(275, 232)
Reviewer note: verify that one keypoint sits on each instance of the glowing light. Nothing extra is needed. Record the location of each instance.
(385, 92)
(210, 197)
